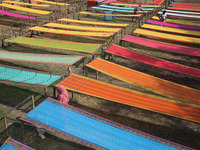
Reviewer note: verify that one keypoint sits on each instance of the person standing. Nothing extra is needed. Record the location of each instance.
(163, 16)
(63, 95)
(137, 9)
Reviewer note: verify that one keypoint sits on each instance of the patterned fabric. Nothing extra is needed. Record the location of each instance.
(84, 28)
(30, 10)
(11, 144)
(39, 58)
(91, 130)
(52, 3)
(3, 12)
(167, 36)
(57, 44)
(134, 98)
(27, 77)
(69, 32)
(94, 23)
(166, 47)
(25, 4)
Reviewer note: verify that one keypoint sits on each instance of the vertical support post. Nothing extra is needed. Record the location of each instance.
(86, 71)
(45, 91)
(117, 38)
(72, 95)
(36, 21)
(121, 33)
(107, 43)
(22, 132)
(33, 101)
(29, 19)
(109, 56)
(124, 43)
(11, 33)
(140, 21)
(97, 73)
(5, 124)
(124, 30)
(21, 28)
(102, 53)
(114, 37)
(54, 92)
(83, 66)
(3, 36)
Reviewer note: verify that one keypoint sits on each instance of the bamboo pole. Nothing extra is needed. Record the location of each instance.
(5, 124)
(33, 101)
(83, 66)
(72, 95)
(22, 131)
(54, 91)
(97, 75)
(86, 71)
(45, 91)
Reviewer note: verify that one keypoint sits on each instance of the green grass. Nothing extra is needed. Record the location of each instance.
(174, 129)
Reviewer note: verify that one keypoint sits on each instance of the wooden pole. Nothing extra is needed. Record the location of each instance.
(86, 71)
(102, 53)
(72, 94)
(117, 38)
(36, 21)
(54, 92)
(11, 33)
(29, 19)
(107, 42)
(22, 132)
(45, 91)
(33, 101)
(83, 66)
(3, 36)
(97, 72)
(5, 124)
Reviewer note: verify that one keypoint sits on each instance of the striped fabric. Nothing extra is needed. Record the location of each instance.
(184, 9)
(157, 2)
(116, 15)
(84, 28)
(25, 4)
(173, 30)
(57, 44)
(116, 10)
(181, 15)
(184, 5)
(94, 23)
(134, 4)
(167, 36)
(11, 144)
(27, 77)
(52, 3)
(39, 58)
(181, 12)
(109, 1)
(166, 47)
(124, 8)
(72, 33)
(174, 25)
(152, 83)
(92, 130)
(183, 22)
(30, 10)
(3, 12)
(130, 97)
